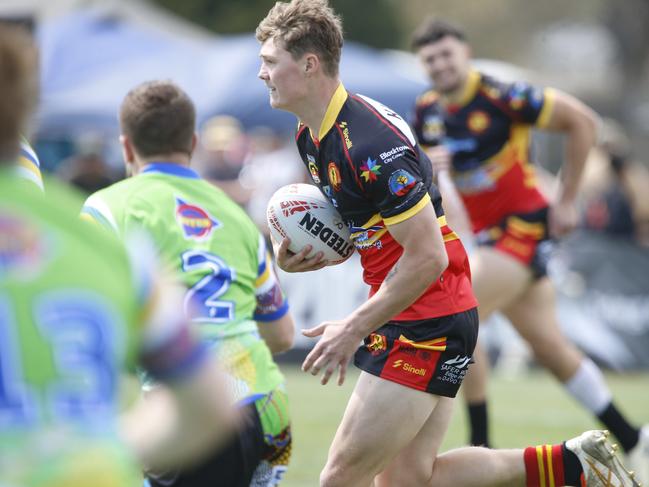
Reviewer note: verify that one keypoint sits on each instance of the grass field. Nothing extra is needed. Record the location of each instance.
(527, 410)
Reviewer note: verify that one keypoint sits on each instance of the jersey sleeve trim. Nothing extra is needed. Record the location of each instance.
(29, 165)
(548, 108)
(30, 174)
(95, 209)
(410, 212)
(275, 315)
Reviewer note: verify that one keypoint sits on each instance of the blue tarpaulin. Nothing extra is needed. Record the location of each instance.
(90, 60)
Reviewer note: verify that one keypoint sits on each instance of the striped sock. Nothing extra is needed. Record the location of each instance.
(545, 466)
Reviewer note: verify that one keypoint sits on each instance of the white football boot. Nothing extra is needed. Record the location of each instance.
(602, 467)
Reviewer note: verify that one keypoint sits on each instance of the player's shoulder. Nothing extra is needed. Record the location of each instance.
(496, 88)
(379, 129)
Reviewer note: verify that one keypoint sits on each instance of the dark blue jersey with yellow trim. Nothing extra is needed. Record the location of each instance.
(366, 160)
(488, 132)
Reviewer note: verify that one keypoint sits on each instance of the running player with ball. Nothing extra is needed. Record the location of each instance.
(419, 325)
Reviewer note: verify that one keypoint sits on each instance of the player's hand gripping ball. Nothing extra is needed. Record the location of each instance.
(303, 214)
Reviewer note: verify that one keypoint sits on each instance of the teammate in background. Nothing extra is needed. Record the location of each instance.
(232, 292)
(477, 130)
(66, 336)
(419, 324)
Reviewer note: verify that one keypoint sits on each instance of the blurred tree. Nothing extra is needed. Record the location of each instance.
(379, 26)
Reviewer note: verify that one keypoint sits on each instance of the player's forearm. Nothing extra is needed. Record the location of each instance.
(278, 334)
(409, 278)
(580, 124)
(171, 428)
(580, 141)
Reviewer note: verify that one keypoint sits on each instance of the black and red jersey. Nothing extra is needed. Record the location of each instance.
(488, 132)
(366, 160)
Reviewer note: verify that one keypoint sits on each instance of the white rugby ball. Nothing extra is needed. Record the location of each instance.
(303, 214)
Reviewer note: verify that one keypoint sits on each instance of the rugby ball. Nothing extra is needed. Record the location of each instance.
(303, 214)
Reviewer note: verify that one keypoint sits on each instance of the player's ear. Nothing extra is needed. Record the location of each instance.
(128, 153)
(311, 63)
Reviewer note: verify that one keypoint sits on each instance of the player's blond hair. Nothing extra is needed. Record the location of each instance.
(18, 88)
(303, 26)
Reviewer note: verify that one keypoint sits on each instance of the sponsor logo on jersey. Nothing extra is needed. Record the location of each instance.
(401, 181)
(392, 154)
(329, 194)
(345, 129)
(328, 235)
(409, 368)
(334, 176)
(478, 121)
(313, 169)
(370, 170)
(454, 370)
(196, 223)
(517, 96)
(536, 100)
(433, 129)
(24, 248)
(459, 362)
(377, 344)
(365, 238)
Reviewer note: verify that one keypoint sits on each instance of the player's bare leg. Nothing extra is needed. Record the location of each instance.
(588, 459)
(533, 315)
(374, 429)
(497, 281)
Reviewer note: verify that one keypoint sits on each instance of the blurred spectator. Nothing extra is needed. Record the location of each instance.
(273, 163)
(87, 169)
(615, 201)
(222, 150)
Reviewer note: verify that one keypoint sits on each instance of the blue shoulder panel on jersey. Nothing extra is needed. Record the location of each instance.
(171, 169)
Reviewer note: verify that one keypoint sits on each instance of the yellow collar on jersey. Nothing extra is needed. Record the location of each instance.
(469, 90)
(335, 105)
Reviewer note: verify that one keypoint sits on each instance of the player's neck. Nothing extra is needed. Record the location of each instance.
(453, 96)
(457, 94)
(313, 111)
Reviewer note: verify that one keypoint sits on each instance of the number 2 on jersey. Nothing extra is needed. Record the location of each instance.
(202, 300)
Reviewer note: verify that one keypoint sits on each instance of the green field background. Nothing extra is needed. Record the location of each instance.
(526, 410)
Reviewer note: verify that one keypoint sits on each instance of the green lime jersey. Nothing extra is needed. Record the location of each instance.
(219, 255)
(68, 312)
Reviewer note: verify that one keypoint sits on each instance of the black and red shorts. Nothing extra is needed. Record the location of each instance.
(429, 355)
(523, 236)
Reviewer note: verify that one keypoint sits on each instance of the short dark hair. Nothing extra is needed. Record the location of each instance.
(18, 87)
(159, 118)
(433, 30)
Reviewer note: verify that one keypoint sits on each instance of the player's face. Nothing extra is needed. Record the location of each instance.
(284, 76)
(446, 62)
